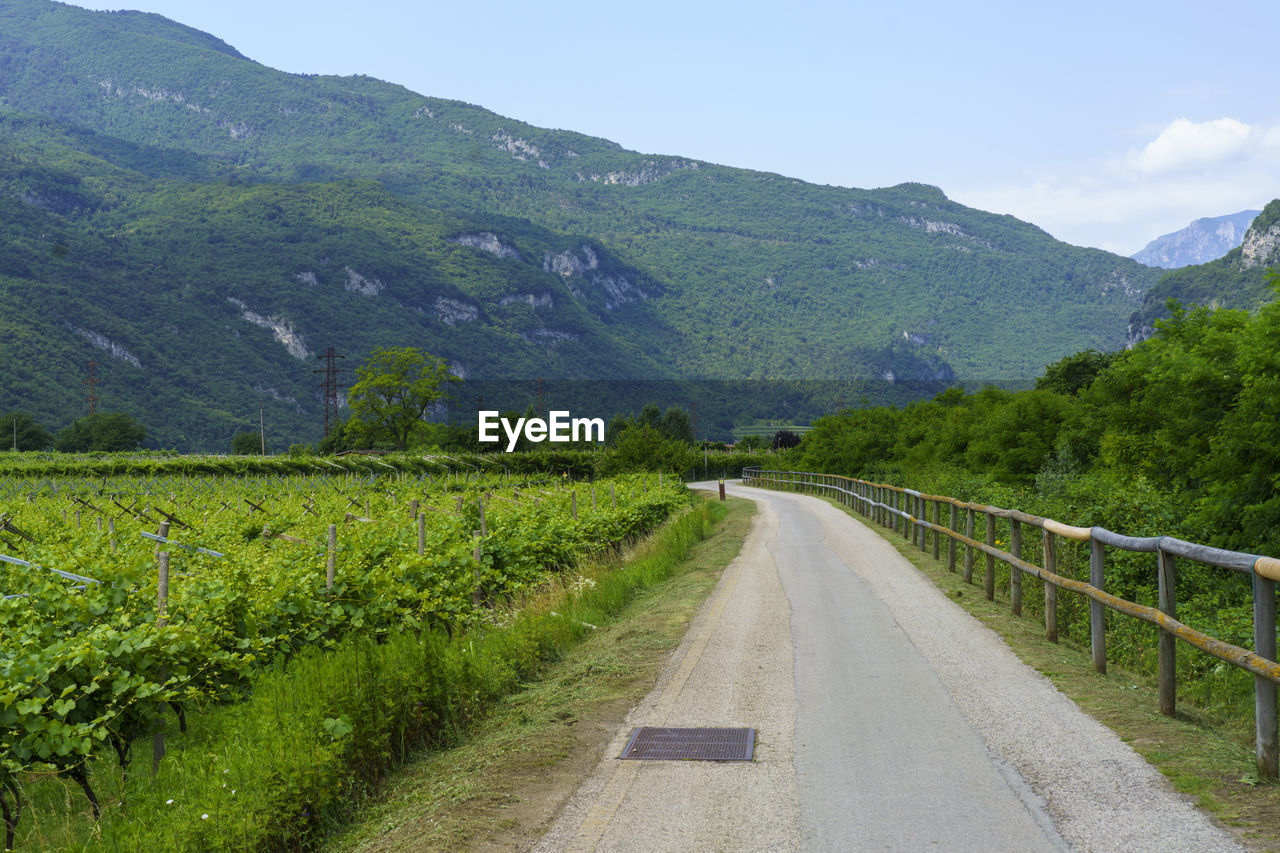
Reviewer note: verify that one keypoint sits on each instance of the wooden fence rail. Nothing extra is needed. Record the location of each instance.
(905, 511)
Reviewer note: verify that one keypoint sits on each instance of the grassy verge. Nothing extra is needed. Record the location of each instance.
(501, 788)
(1207, 755)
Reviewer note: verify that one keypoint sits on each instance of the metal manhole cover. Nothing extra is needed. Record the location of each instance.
(676, 744)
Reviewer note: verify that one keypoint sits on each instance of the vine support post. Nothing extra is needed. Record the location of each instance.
(477, 554)
(162, 619)
(331, 562)
(422, 533)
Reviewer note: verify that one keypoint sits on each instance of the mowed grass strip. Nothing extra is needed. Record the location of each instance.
(1206, 755)
(502, 788)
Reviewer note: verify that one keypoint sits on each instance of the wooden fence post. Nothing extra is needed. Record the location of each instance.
(937, 534)
(422, 533)
(1015, 574)
(968, 549)
(951, 542)
(989, 576)
(920, 522)
(1264, 691)
(1097, 613)
(1050, 542)
(1167, 602)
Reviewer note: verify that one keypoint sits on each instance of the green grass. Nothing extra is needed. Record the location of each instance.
(500, 789)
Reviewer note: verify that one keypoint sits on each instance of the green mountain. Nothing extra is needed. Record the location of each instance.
(202, 226)
(1236, 280)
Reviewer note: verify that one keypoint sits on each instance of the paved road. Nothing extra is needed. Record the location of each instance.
(887, 718)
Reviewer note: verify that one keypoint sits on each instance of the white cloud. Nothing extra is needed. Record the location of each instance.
(1184, 144)
(1186, 172)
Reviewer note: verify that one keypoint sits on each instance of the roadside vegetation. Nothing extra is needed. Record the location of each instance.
(1178, 436)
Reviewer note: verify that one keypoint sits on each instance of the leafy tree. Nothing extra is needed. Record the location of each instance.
(247, 443)
(785, 439)
(613, 431)
(19, 431)
(102, 431)
(1074, 373)
(644, 448)
(650, 416)
(676, 424)
(396, 388)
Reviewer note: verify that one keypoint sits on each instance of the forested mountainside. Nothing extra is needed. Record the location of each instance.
(1236, 280)
(203, 226)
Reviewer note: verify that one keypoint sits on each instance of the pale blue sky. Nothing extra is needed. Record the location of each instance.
(1105, 123)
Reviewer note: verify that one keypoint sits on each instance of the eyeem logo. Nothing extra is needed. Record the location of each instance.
(560, 427)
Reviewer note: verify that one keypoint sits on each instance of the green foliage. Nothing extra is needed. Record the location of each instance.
(102, 431)
(1074, 373)
(645, 448)
(88, 667)
(1227, 282)
(1179, 436)
(19, 431)
(784, 439)
(247, 443)
(396, 388)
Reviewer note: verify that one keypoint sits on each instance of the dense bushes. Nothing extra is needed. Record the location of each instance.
(1179, 436)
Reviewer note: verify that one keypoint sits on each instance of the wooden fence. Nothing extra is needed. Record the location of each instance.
(907, 511)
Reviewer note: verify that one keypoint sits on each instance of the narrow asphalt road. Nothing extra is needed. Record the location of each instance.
(887, 718)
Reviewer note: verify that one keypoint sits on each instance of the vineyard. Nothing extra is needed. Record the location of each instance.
(133, 604)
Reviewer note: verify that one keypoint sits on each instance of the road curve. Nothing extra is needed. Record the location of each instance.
(887, 718)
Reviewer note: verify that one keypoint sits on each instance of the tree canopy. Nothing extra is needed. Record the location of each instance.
(395, 390)
(19, 431)
(102, 431)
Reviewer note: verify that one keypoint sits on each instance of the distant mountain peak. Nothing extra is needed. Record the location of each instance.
(1202, 241)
